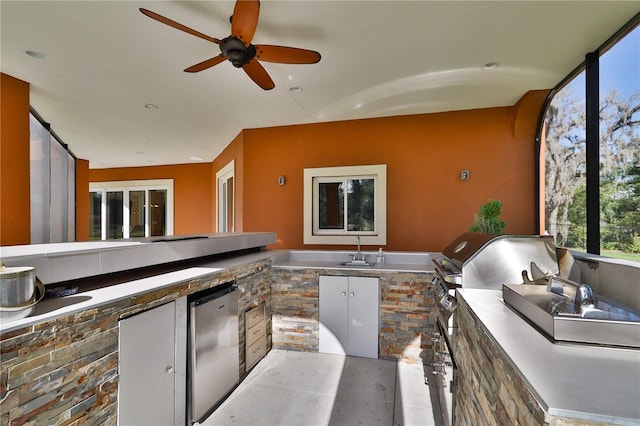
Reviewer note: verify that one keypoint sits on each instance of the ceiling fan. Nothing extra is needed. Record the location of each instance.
(237, 47)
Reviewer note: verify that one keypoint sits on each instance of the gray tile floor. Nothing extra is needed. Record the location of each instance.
(304, 388)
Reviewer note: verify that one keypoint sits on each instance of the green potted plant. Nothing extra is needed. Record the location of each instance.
(488, 219)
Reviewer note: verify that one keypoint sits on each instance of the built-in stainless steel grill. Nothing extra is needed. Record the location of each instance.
(476, 260)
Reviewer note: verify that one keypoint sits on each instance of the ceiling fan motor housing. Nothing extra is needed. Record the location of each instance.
(236, 51)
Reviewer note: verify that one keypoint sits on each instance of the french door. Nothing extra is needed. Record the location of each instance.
(131, 209)
(225, 198)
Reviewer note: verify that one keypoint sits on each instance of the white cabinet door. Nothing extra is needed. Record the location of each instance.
(147, 364)
(363, 316)
(334, 308)
(349, 317)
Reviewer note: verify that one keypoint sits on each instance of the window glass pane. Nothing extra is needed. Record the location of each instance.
(52, 187)
(565, 166)
(59, 197)
(39, 181)
(224, 198)
(361, 204)
(223, 209)
(134, 209)
(136, 213)
(620, 148)
(343, 202)
(229, 225)
(157, 213)
(95, 215)
(114, 215)
(331, 205)
(71, 198)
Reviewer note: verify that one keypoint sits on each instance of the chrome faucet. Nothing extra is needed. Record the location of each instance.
(358, 257)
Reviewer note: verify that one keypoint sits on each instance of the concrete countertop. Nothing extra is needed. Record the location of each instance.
(60, 262)
(414, 262)
(577, 381)
(52, 308)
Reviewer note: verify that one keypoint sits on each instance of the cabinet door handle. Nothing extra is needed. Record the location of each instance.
(352, 294)
(169, 369)
(344, 293)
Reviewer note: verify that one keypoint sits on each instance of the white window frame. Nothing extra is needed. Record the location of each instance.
(313, 176)
(126, 187)
(222, 177)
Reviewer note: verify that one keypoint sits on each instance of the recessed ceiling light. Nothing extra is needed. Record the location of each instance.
(295, 89)
(150, 106)
(34, 54)
(490, 66)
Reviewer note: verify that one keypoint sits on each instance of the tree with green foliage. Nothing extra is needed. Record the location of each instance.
(565, 159)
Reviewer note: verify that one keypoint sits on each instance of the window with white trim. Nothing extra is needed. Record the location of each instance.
(130, 209)
(341, 203)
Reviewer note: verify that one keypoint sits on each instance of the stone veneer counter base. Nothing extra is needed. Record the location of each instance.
(510, 373)
(61, 366)
(407, 305)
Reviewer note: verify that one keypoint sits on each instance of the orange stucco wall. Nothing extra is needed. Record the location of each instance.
(428, 205)
(82, 200)
(192, 191)
(427, 202)
(15, 219)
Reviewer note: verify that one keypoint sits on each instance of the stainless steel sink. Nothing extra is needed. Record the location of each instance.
(559, 317)
(357, 264)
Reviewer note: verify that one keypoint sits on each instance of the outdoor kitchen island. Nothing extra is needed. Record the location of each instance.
(509, 373)
(62, 364)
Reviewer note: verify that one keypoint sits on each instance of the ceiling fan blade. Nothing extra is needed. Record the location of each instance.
(286, 55)
(206, 64)
(177, 25)
(245, 20)
(258, 74)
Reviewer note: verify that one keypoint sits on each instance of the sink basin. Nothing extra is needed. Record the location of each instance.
(604, 323)
(357, 264)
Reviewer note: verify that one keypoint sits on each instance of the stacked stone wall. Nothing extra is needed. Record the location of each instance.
(65, 371)
(489, 390)
(407, 311)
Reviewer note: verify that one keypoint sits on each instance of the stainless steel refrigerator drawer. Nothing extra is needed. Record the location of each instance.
(214, 361)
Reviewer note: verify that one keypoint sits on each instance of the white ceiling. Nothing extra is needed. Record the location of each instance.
(105, 60)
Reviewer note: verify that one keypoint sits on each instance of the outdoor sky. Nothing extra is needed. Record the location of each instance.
(619, 68)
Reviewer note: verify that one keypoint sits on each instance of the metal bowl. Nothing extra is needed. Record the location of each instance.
(20, 290)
